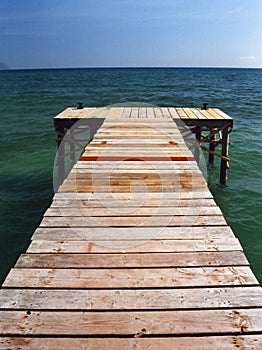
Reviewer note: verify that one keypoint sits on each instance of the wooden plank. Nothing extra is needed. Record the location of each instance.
(222, 114)
(166, 114)
(147, 299)
(115, 174)
(198, 113)
(143, 246)
(154, 221)
(126, 113)
(206, 114)
(120, 142)
(139, 165)
(158, 211)
(142, 112)
(70, 113)
(237, 321)
(134, 112)
(115, 112)
(150, 113)
(127, 196)
(126, 189)
(158, 113)
(182, 113)
(128, 278)
(188, 259)
(134, 233)
(253, 342)
(136, 180)
(189, 113)
(147, 203)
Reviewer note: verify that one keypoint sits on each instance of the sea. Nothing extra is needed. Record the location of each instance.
(29, 99)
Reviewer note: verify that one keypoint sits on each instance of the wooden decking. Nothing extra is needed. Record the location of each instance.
(210, 126)
(133, 253)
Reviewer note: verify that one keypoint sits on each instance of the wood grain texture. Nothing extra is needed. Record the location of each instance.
(131, 323)
(143, 245)
(146, 299)
(130, 278)
(236, 342)
(103, 260)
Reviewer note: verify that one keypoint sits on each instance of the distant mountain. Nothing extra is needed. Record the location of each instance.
(3, 66)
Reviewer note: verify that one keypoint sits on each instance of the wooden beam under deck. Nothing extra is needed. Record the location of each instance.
(133, 253)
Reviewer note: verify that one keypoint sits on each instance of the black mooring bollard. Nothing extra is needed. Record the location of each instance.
(205, 106)
(80, 105)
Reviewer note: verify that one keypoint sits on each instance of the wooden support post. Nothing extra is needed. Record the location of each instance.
(211, 148)
(72, 144)
(60, 154)
(224, 152)
(198, 138)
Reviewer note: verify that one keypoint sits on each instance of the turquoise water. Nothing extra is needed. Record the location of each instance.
(30, 99)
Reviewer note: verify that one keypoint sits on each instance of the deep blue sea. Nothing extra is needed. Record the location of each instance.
(29, 99)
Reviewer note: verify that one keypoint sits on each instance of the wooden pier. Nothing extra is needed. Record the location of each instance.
(133, 252)
(210, 125)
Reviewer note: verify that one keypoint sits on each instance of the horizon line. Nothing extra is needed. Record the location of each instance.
(131, 67)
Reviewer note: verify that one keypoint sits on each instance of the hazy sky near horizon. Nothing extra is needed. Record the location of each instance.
(95, 33)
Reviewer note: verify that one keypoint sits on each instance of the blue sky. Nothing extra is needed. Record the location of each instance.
(95, 33)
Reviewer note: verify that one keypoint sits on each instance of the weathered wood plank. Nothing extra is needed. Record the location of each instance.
(128, 278)
(239, 342)
(237, 321)
(147, 203)
(157, 299)
(138, 165)
(158, 211)
(102, 260)
(133, 233)
(153, 221)
(127, 196)
(145, 245)
(118, 175)
(143, 188)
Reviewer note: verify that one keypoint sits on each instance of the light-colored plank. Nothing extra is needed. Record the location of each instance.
(139, 164)
(147, 203)
(158, 211)
(222, 114)
(189, 113)
(134, 112)
(133, 233)
(70, 113)
(239, 342)
(206, 114)
(189, 259)
(154, 221)
(131, 323)
(157, 299)
(127, 196)
(115, 112)
(142, 246)
(128, 278)
(182, 113)
(173, 113)
(198, 113)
